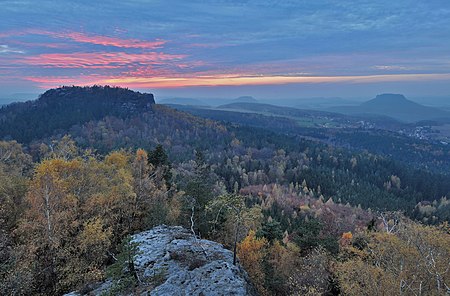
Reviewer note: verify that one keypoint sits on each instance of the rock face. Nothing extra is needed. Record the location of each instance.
(187, 265)
(172, 261)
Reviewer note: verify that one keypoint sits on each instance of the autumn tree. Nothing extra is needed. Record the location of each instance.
(306, 275)
(79, 210)
(152, 203)
(251, 253)
(50, 220)
(233, 206)
(15, 166)
(65, 148)
(412, 260)
(143, 188)
(114, 199)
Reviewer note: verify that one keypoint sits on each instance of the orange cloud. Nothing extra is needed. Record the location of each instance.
(221, 80)
(170, 82)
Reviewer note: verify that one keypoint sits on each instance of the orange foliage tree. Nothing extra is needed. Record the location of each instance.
(251, 253)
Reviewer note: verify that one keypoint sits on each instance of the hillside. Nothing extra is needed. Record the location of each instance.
(374, 133)
(104, 119)
(395, 106)
(134, 123)
(61, 108)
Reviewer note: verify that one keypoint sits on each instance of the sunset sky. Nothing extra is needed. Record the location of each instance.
(267, 49)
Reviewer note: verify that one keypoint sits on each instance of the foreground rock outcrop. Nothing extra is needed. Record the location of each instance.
(172, 261)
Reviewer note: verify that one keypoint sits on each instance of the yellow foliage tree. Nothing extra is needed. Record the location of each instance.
(413, 260)
(50, 219)
(251, 252)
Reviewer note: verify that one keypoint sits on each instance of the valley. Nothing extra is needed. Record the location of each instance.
(297, 185)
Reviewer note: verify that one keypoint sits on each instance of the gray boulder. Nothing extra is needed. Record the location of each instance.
(187, 265)
(172, 261)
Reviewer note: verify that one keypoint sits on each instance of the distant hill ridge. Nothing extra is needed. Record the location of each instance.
(61, 108)
(245, 99)
(396, 106)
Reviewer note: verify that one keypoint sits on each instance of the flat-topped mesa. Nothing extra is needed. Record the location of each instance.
(389, 99)
(99, 94)
(63, 107)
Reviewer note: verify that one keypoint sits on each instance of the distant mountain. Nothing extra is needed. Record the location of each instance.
(395, 106)
(245, 99)
(182, 101)
(61, 108)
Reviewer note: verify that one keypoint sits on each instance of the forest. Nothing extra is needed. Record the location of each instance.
(307, 217)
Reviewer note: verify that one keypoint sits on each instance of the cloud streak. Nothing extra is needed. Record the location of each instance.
(103, 40)
(80, 37)
(110, 41)
(6, 49)
(97, 60)
(230, 80)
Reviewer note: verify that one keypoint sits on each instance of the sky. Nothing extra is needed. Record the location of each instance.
(218, 49)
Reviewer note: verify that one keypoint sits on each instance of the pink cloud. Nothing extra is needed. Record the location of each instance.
(101, 40)
(90, 38)
(111, 41)
(97, 60)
